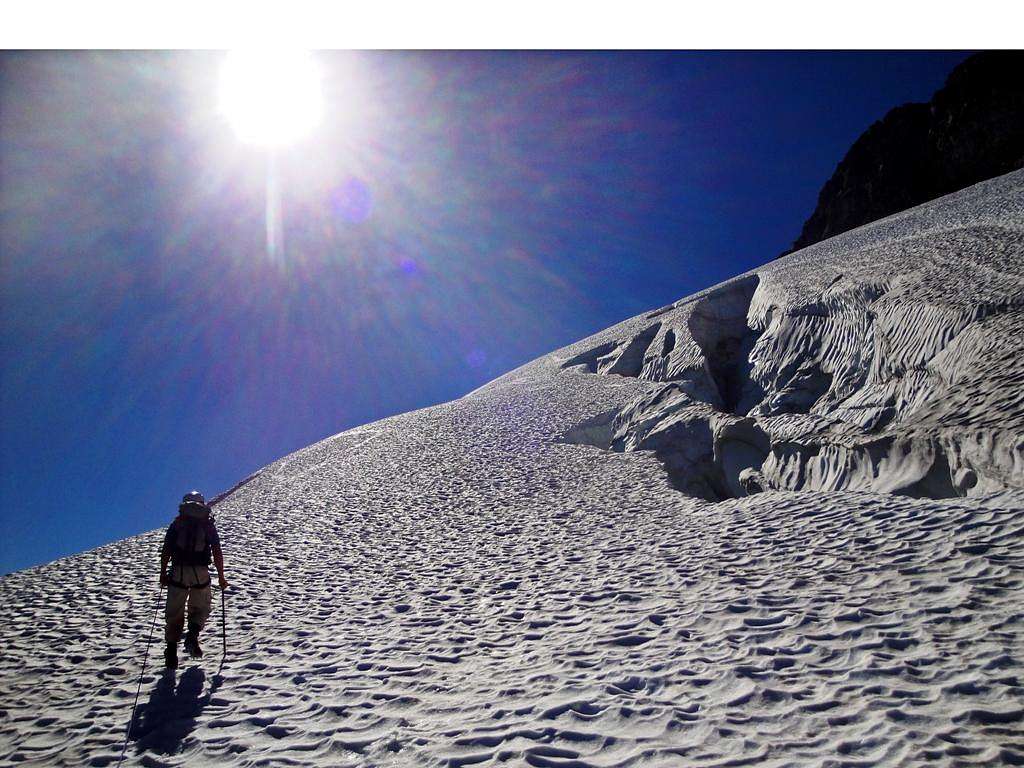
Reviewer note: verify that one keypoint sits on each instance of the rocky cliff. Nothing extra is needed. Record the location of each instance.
(971, 130)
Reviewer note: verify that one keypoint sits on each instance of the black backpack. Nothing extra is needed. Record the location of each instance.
(190, 543)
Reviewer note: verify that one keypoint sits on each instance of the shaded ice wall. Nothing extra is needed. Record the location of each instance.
(888, 359)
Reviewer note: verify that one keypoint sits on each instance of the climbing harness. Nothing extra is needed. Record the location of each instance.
(181, 584)
(145, 658)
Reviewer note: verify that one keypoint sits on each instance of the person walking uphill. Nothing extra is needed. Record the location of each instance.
(190, 542)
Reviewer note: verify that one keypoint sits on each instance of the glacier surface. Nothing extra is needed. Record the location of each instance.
(776, 523)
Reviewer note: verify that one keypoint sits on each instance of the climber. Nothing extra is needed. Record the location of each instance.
(190, 542)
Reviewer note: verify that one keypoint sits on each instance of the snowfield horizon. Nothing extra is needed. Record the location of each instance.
(778, 522)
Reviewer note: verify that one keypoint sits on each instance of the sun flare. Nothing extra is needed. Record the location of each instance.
(271, 97)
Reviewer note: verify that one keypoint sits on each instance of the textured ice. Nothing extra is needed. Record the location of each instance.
(880, 361)
(777, 523)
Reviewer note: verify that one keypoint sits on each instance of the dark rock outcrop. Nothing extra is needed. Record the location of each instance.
(971, 130)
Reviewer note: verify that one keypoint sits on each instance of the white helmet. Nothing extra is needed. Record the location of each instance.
(193, 497)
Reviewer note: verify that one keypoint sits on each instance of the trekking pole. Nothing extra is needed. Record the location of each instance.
(138, 690)
(223, 628)
(223, 633)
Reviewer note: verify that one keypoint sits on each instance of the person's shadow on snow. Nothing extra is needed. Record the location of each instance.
(170, 715)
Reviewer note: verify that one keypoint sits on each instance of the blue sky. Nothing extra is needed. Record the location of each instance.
(454, 216)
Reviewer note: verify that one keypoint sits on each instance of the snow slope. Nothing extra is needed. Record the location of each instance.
(777, 523)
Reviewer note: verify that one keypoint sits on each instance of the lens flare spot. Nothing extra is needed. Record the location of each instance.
(352, 201)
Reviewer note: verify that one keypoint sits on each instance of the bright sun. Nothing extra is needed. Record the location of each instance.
(272, 97)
